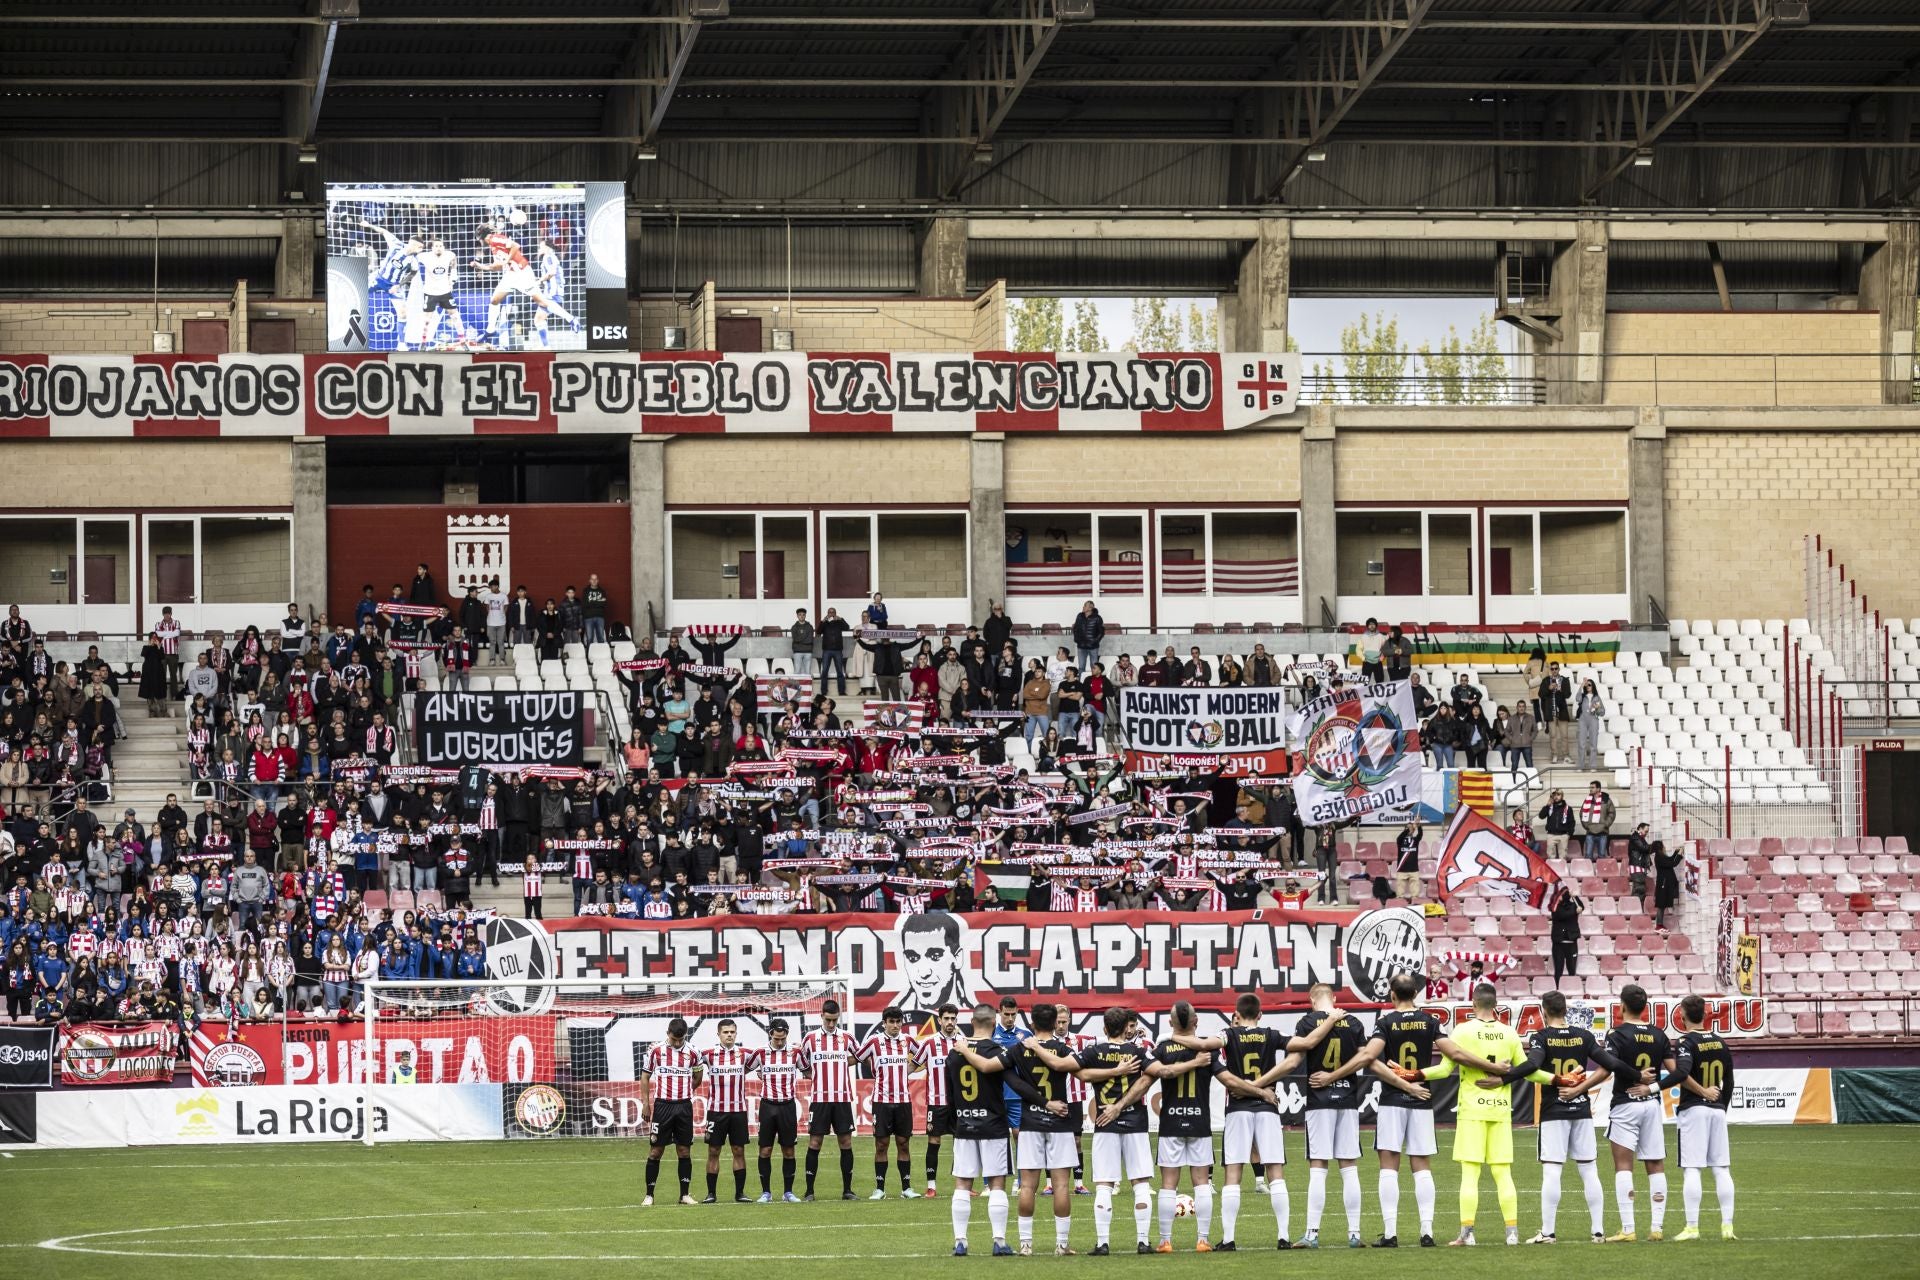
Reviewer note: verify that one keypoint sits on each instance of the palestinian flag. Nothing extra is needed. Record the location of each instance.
(1010, 883)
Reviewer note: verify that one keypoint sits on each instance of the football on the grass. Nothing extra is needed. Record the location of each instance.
(1183, 1207)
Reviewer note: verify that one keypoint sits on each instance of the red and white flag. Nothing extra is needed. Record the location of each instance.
(776, 691)
(1477, 850)
(899, 717)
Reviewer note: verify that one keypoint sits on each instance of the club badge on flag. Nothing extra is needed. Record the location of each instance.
(1479, 851)
(779, 690)
(896, 717)
(1360, 755)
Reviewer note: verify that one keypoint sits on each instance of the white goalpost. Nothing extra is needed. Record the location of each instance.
(569, 1034)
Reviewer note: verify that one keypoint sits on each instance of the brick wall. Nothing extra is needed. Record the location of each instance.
(53, 328)
(245, 561)
(1432, 467)
(886, 470)
(29, 549)
(1739, 502)
(1582, 553)
(1729, 358)
(923, 555)
(1238, 466)
(150, 475)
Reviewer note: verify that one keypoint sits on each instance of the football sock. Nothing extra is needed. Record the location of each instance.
(739, 1181)
(1350, 1196)
(1390, 1202)
(1690, 1195)
(1062, 1231)
(997, 1213)
(494, 312)
(1142, 1210)
(1166, 1214)
(562, 312)
(1229, 1209)
(653, 1172)
(1549, 1197)
(1203, 1208)
(906, 1174)
(1723, 1192)
(1102, 1214)
(1623, 1197)
(1508, 1193)
(1657, 1200)
(713, 1182)
(933, 1163)
(846, 1168)
(962, 1213)
(1316, 1197)
(789, 1166)
(1282, 1204)
(879, 1175)
(686, 1174)
(1426, 1194)
(1596, 1196)
(766, 1173)
(1026, 1229)
(1469, 1193)
(813, 1167)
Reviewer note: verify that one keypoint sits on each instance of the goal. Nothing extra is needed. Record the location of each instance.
(568, 1051)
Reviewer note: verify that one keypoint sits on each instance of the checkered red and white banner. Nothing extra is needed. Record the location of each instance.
(666, 392)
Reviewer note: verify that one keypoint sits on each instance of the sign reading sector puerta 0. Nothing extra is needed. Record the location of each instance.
(543, 392)
(458, 729)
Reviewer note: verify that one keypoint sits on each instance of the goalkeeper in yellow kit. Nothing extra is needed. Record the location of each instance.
(1484, 1133)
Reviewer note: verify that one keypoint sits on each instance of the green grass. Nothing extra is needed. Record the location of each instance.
(1812, 1202)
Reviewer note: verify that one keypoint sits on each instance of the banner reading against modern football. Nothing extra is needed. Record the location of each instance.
(458, 729)
(118, 1052)
(1241, 732)
(448, 1050)
(1359, 755)
(1146, 960)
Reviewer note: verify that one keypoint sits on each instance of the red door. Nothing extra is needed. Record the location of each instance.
(100, 583)
(1500, 571)
(203, 337)
(1404, 575)
(173, 579)
(773, 575)
(847, 575)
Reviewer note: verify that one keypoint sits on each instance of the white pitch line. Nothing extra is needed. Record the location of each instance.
(690, 1228)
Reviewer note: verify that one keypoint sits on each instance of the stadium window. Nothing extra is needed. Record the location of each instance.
(738, 567)
(1416, 563)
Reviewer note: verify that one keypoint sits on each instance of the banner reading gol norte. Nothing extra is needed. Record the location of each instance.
(1242, 732)
(1146, 960)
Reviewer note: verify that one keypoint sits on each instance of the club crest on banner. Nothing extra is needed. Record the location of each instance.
(519, 950)
(478, 548)
(1382, 943)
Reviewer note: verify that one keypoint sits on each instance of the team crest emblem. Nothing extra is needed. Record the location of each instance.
(519, 951)
(1382, 943)
(1352, 754)
(540, 1110)
(1204, 735)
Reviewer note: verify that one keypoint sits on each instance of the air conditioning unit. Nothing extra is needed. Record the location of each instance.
(729, 571)
(675, 339)
(708, 10)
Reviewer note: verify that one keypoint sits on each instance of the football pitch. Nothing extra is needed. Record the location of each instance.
(1812, 1202)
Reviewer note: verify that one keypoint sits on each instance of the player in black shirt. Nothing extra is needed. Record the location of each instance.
(1333, 1112)
(1635, 1124)
(1249, 1060)
(1186, 1127)
(1047, 1140)
(980, 1127)
(1703, 1068)
(1115, 1068)
(1566, 1114)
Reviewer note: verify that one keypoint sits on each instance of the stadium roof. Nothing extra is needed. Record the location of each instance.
(1002, 104)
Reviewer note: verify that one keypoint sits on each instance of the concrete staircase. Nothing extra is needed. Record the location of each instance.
(149, 762)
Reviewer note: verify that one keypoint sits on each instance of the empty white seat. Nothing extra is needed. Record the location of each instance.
(1726, 627)
(505, 684)
(480, 684)
(1751, 627)
(1702, 627)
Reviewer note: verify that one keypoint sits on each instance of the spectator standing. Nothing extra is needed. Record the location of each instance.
(250, 891)
(833, 649)
(1370, 644)
(1590, 713)
(594, 605)
(1565, 932)
(1596, 820)
(802, 635)
(167, 632)
(1556, 708)
(1666, 885)
(997, 630)
(153, 676)
(877, 612)
(889, 662)
(1639, 862)
(1442, 735)
(1035, 696)
(1557, 817)
(423, 590)
(496, 602)
(1196, 672)
(1518, 736)
(1406, 861)
(1397, 656)
(1476, 736)
(456, 659)
(523, 620)
(1089, 628)
(1520, 829)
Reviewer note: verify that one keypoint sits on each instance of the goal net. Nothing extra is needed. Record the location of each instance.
(569, 1052)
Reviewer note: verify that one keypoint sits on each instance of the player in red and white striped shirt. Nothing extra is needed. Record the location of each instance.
(827, 1059)
(932, 1058)
(778, 1066)
(889, 1054)
(667, 1080)
(726, 1077)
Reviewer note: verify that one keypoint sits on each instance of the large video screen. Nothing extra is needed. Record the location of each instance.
(508, 266)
